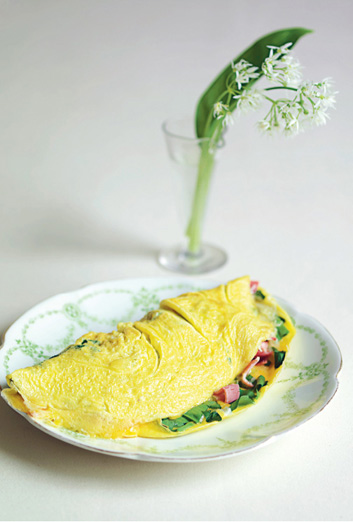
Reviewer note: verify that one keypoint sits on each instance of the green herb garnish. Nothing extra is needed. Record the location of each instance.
(259, 294)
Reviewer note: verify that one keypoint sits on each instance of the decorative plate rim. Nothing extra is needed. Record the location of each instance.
(138, 455)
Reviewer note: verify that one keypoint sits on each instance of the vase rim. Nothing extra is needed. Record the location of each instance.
(179, 135)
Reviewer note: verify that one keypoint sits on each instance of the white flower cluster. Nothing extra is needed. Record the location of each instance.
(280, 67)
(244, 72)
(221, 112)
(309, 103)
(249, 99)
(309, 106)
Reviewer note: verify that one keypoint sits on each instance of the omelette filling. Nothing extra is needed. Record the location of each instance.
(245, 389)
(201, 357)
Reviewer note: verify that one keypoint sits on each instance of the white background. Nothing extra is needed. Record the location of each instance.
(86, 197)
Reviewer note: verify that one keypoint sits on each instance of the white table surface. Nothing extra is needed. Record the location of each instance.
(86, 197)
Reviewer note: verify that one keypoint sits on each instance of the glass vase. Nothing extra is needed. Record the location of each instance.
(193, 162)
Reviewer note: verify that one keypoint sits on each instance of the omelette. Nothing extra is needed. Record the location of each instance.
(200, 358)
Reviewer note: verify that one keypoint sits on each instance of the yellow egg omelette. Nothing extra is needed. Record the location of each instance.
(199, 358)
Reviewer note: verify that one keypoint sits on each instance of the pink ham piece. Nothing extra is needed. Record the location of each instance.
(264, 347)
(246, 372)
(264, 358)
(228, 393)
(254, 286)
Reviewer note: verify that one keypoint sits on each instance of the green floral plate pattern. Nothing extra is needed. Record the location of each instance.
(306, 384)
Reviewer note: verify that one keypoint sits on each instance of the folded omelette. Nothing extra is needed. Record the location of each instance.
(199, 358)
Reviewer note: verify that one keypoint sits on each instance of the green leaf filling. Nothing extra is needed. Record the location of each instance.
(282, 331)
(212, 415)
(259, 294)
(251, 379)
(279, 357)
(248, 395)
(246, 399)
(82, 344)
(179, 424)
(207, 410)
(194, 416)
(213, 405)
(261, 381)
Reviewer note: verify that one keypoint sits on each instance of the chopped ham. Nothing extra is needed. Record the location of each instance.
(228, 393)
(254, 286)
(264, 358)
(263, 347)
(246, 372)
(264, 350)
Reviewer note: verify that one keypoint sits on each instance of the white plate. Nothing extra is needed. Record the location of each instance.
(306, 384)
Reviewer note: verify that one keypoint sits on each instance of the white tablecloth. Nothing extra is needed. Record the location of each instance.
(86, 196)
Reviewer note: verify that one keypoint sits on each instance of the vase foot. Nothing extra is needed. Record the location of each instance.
(177, 259)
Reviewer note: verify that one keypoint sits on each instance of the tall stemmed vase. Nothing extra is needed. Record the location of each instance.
(193, 161)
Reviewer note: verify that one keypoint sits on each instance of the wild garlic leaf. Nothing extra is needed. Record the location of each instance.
(174, 424)
(261, 381)
(282, 331)
(195, 413)
(259, 294)
(185, 426)
(194, 416)
(279, 357)
(208, 409)
(251, 379)
(245, 400)
(212, 416)
(213, 405)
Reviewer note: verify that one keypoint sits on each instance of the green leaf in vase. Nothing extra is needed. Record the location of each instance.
(206, 124)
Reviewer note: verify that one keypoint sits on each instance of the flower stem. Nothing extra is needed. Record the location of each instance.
(281, 87)
(194, 228)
